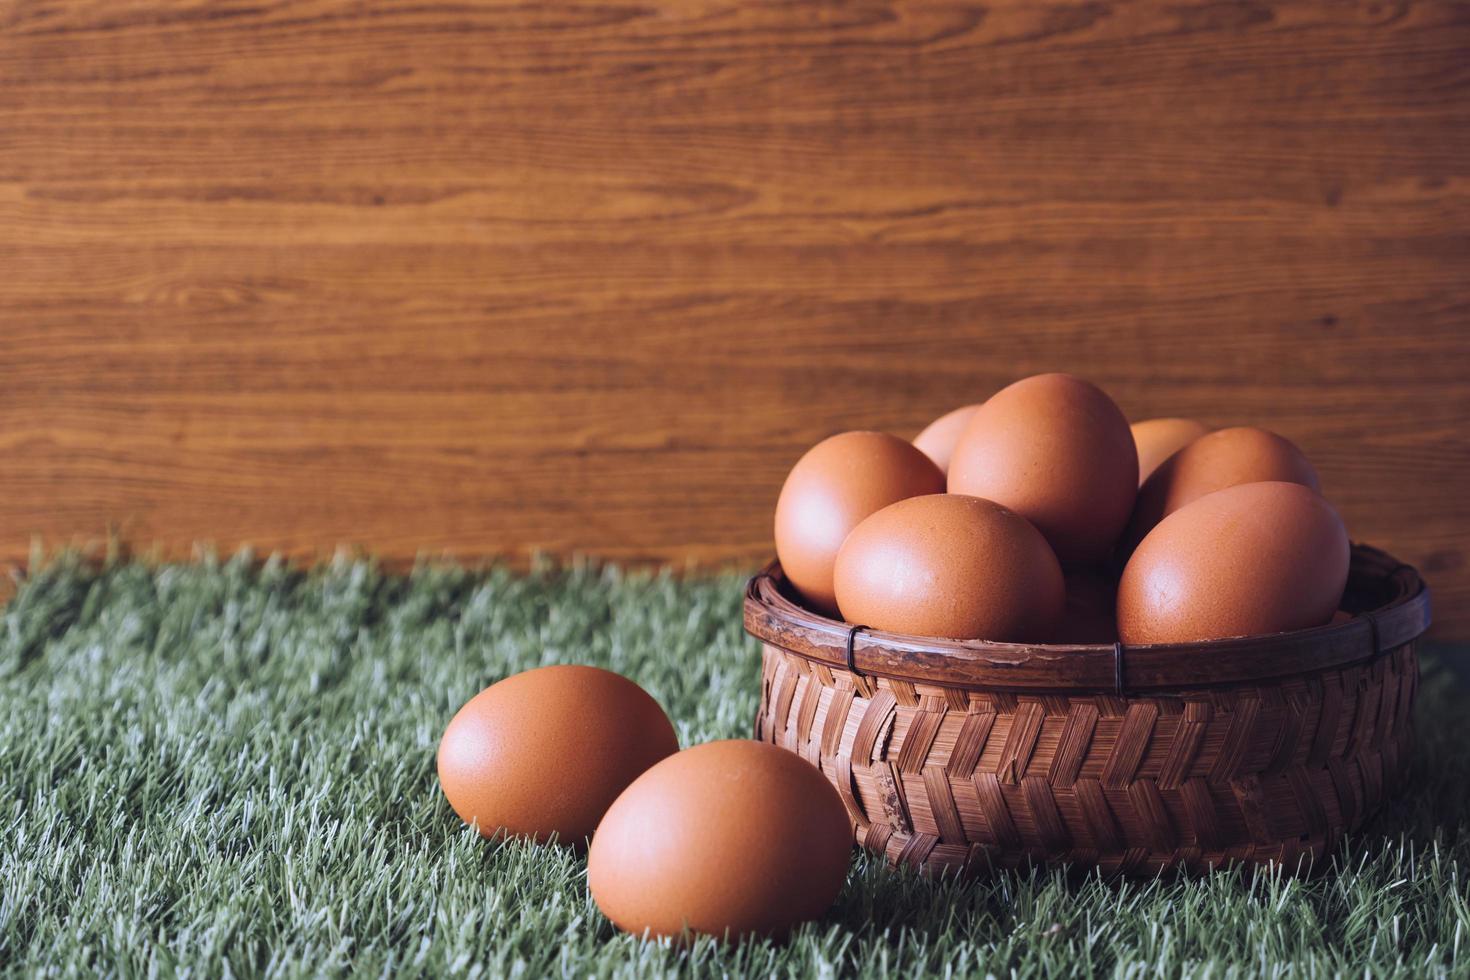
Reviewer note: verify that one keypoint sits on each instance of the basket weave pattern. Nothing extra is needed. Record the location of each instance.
(948, 777)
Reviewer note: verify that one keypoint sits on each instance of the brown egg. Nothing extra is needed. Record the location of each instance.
(727, 839)
(1249, 559)
(938, 438)
(830, 490)
(1158, 439)
(950, 566)
(1220, 459)
(1090, 614)
(1057, 451)
(545, 752)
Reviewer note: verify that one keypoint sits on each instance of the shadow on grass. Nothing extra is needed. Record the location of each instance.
(1433, 805)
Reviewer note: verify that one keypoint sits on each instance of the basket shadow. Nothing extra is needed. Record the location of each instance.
(1436, 800)
(1428, 814)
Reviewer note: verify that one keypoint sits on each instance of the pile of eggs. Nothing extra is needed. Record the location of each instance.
(1041, 515)
(729, 839)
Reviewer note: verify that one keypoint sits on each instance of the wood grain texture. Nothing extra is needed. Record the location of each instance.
(488, 278)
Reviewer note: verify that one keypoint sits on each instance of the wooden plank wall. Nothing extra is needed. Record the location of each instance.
(588, 276)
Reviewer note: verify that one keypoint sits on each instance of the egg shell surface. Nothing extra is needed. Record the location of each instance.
(1244, 561)
(1220, 459)
(545, 752)
(938, 438)
(1057, 450)
(1158, 439)
(729, 839)
(840, 481)
(948, 565)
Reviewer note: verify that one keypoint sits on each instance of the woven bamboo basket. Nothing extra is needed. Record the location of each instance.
(967, 755)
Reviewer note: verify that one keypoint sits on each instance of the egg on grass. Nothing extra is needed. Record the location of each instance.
(543, 754)
(729, 839)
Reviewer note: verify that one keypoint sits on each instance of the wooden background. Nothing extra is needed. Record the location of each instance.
(486, 278)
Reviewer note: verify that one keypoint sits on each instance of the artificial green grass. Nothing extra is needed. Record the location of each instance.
(225, 769)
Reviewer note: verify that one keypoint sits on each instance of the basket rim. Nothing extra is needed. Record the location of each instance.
(771, 616)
